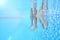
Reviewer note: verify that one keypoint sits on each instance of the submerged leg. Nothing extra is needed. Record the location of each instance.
(43, 22)
(34, 24)
(31, 17)
(41, 19)
(35, 20)
(43, 8)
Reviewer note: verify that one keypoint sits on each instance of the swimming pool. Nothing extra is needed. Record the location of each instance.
(14, 28)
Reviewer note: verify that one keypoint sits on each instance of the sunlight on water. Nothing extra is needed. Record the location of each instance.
(15, 21)
(10, 38)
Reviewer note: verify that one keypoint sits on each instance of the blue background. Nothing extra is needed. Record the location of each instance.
(19, 28)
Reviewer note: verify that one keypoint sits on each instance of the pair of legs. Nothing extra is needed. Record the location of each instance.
(33, 19)
(43, 22)
(33, 24)
(40, 17)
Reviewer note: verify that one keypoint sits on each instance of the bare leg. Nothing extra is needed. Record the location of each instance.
(35, 20)
(34, 24)
(31, 22)
(41, 19)
(43, 22)
(44, 7)
(31, 17)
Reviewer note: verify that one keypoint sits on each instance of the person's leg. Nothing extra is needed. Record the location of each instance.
(35, 20)
(31, 16)
(34, 24)
(43, 22)
(31, 22)
(43, 8)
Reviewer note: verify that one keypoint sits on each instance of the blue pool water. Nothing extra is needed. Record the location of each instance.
(19, 28)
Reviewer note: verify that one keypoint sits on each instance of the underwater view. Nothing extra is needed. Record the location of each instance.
(16, 20)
